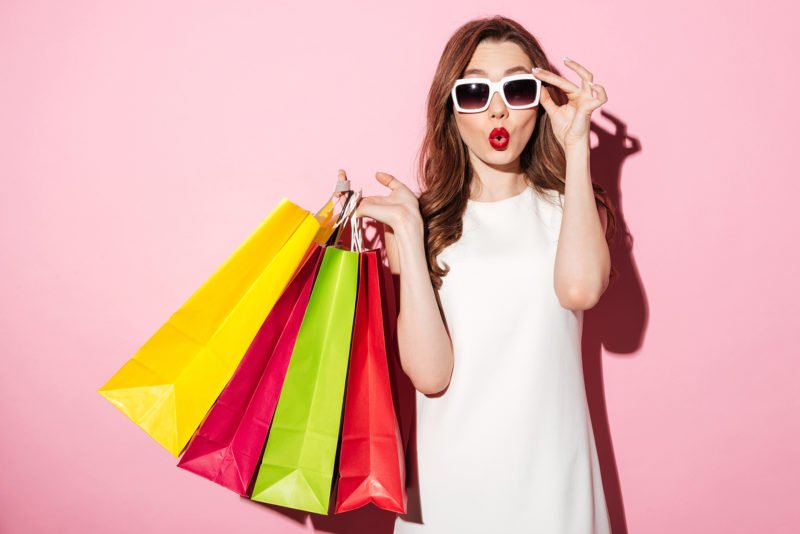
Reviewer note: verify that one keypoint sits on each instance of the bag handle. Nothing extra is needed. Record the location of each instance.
(334, 236)
(344, 215)
(356, 233)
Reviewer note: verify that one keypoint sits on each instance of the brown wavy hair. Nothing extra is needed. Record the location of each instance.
(444, 172)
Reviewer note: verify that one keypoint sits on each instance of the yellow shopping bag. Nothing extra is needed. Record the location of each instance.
(171, 382)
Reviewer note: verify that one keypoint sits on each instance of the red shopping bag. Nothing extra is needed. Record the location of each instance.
(227, 447)
(372, 460)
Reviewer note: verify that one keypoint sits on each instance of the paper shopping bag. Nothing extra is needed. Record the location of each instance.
(227, 446)
(297, 466)
(372, 459)
(170, 383)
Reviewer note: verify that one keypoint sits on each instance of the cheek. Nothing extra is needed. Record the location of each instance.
(527, 121)
(468, 124)
(525, 127)
(471, 127)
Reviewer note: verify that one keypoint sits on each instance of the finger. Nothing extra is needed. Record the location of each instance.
(554, 79)
(601, 92)
(547, 101)
(374, 207)
(341, 175)
(580, 69)
(375, 200)
(596, 100)
(586, 85)
(359, 211)
(388, 180)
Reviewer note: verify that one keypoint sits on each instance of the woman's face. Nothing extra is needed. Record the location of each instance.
(495, 60)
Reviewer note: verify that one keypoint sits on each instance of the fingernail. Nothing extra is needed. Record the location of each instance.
(536, 69)
(566, 58)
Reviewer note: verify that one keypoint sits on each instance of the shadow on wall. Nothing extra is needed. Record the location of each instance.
(617, 323)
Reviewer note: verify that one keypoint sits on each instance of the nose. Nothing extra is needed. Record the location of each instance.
(497, 107)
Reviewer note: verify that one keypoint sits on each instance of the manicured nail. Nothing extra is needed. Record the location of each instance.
(566, 58)
(536, 69)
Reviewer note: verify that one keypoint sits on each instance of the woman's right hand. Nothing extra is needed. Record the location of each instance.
(399, 209)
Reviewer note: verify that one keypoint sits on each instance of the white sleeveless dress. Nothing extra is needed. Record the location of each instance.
(509, 447)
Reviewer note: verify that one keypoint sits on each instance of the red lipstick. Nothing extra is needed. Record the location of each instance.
(499, 138)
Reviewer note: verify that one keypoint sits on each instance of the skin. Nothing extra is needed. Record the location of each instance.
(582, 264)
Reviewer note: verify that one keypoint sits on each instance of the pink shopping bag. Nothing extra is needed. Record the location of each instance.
(227, 447)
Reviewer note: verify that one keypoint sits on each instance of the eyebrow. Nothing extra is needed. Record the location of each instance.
(509, 71)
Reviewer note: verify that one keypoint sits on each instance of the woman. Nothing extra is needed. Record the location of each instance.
(492, 341)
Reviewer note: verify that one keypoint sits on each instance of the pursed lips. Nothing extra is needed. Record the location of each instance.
(498, 134)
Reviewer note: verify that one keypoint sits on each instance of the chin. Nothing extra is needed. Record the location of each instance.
(501, 157)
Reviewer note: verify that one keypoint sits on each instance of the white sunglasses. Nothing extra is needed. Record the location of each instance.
(519, 91)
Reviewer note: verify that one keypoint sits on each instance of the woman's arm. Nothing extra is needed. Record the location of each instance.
(426, 351)
(583, 261)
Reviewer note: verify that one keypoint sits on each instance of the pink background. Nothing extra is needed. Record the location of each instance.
(141, 142)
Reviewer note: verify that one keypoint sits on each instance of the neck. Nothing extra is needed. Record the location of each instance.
(496, 182)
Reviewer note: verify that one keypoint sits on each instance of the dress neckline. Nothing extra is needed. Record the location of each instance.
(472, 202)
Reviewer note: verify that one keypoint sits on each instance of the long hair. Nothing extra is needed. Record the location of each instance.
(444, 171)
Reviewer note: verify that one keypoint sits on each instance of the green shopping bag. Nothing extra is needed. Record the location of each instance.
(297, 467)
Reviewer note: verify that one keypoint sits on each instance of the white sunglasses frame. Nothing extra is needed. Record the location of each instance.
(496, 87)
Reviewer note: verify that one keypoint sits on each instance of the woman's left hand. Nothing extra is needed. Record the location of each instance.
(571, 121)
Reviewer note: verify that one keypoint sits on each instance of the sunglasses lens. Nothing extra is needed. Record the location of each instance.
(520, 92)
(472, 95)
